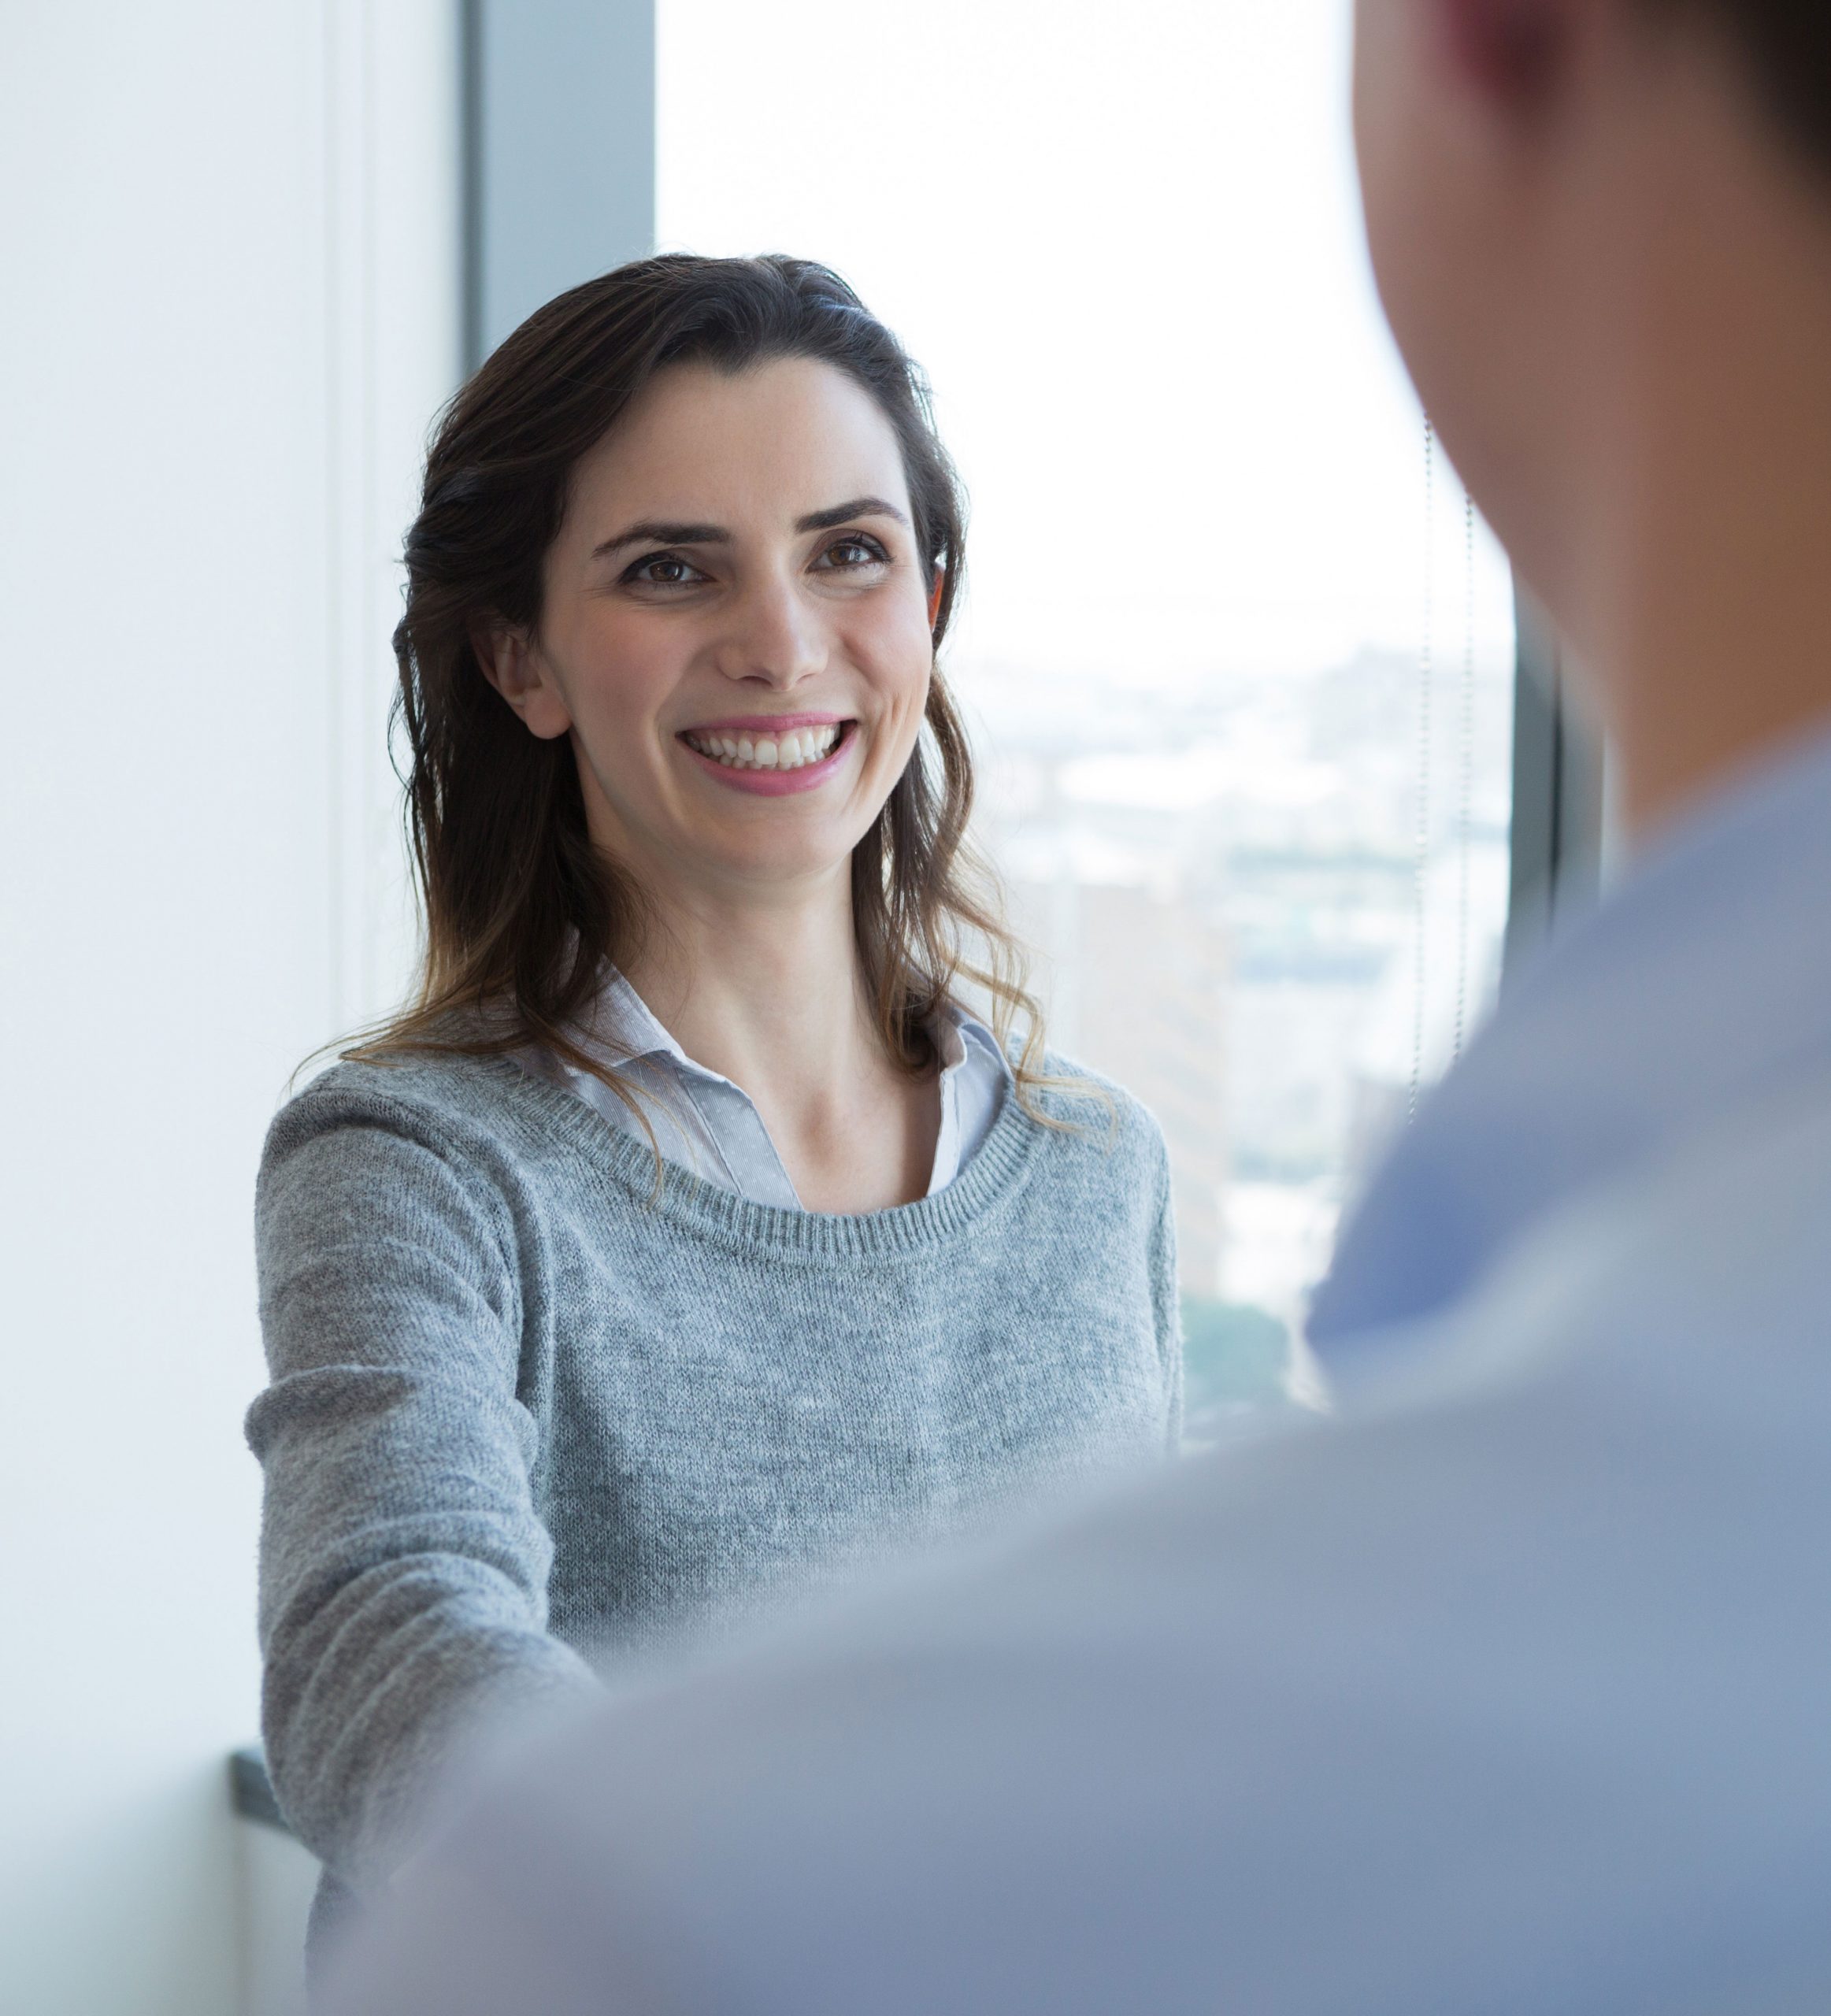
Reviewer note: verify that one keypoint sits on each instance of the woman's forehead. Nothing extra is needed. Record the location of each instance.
(782, 437)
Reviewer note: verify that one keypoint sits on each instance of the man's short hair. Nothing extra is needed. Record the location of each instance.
(1788, 42)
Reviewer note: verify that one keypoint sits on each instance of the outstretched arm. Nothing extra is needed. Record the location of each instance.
(403, 1564)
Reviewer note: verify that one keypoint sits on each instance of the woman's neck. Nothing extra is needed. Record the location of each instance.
(765, 989)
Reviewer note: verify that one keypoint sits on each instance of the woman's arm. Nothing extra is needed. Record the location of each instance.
(403, 1567)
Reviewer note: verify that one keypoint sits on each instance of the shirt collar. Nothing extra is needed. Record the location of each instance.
(1703, 980)
(959, 1035)
(621, 1030)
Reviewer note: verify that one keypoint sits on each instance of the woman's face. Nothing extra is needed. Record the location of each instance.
(736, 632)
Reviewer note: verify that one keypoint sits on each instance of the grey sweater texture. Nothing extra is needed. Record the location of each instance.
(527, 1419)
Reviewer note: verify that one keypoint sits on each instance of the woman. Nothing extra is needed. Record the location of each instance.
(688, 1239)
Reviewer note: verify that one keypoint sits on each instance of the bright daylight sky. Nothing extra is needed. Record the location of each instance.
(1124, 241)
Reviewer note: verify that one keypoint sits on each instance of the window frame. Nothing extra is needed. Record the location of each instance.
(557, 126)
(1556, 828)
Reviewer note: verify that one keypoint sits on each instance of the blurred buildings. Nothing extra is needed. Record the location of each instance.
(1134, 974)
(1223, 881)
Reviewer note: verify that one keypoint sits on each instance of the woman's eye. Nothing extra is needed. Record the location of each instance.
(664, 570)
(854, 551)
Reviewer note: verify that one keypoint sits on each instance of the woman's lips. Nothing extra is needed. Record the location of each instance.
(767, 755)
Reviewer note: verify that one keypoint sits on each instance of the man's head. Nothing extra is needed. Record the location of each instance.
(1601, 229)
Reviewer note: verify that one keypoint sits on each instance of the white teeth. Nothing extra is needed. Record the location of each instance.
(791, 752)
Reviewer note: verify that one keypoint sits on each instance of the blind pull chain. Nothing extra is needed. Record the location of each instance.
(1421, 866)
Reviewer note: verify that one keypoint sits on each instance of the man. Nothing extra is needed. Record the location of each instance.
(1506, 1690)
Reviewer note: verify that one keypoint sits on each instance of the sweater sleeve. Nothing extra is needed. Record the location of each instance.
(1166, 1304)
(403, 1565)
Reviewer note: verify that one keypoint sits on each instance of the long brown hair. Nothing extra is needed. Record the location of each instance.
(520, 909)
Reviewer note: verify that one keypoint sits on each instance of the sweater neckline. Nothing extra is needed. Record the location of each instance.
(626, 1166)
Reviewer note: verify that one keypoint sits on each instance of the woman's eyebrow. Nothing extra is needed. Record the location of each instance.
(857, 507)
(661, 531)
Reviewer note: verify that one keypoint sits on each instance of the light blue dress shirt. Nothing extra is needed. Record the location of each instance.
(704, 1123)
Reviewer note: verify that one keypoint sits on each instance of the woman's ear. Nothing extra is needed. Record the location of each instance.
(935, 598)
(513, 663)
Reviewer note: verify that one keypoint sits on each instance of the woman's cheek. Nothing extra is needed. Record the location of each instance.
(910, 656)
(904, 710)
(633, 683)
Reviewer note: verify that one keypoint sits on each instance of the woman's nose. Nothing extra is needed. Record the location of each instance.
(774, 638)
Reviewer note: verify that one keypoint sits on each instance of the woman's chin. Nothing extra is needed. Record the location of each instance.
(769, 864)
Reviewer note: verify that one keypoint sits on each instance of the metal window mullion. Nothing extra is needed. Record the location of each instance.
(558, 99)
(1557, 792)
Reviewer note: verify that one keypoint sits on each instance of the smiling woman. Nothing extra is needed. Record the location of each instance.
(692, 1239)
(690, 581)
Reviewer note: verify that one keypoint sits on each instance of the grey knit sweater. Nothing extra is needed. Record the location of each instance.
(526, 1417)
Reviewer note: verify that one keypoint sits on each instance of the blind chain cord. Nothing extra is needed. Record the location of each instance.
(1465, 771)
(1421, 866)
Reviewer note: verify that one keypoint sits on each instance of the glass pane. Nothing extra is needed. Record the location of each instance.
(1204, 564)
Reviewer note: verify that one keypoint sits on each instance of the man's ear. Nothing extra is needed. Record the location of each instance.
(513, 663)
(1514, 51)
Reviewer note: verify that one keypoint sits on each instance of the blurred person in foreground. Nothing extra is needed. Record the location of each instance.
(1504, 1690)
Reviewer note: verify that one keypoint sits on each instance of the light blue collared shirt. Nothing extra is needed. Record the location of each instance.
(704, 1123)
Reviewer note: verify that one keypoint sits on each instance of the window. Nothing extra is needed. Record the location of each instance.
(1240, 684)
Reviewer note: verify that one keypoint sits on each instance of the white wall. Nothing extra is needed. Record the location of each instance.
(228, 236)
